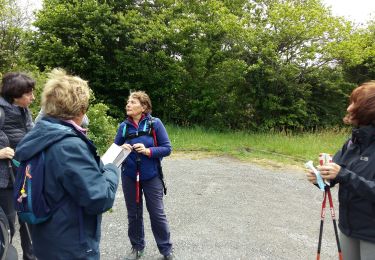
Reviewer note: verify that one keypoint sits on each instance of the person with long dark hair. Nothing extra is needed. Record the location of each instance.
(353, 167)
(15, 122)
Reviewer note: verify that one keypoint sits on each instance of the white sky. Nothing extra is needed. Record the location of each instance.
(358, 11)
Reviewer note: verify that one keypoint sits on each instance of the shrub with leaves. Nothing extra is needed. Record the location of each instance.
(102, 128)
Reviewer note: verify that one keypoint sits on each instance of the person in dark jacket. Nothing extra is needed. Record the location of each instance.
(7, 250)
(147, 148)
(15, 122)
(353, 168)
(74, 173)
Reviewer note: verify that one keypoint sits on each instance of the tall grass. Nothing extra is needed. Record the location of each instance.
(277, 146)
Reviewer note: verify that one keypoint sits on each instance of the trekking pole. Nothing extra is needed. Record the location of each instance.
(12, 178)
(137, 197)
(322, 215)
(324, 158)
(328, 191)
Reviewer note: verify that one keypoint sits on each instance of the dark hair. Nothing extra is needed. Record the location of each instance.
(363, 99)
(15, 84)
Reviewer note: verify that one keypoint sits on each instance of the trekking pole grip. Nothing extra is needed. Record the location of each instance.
(11, 171)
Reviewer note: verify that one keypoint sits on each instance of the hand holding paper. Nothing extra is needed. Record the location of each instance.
(309, 165)
(115, 154)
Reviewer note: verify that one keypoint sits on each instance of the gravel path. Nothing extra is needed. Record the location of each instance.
(221, 208)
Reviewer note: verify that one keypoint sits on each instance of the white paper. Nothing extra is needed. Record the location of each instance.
(115, 154)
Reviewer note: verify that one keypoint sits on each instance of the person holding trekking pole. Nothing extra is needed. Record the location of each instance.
(15, 121)
(147, 139)
(353, 167)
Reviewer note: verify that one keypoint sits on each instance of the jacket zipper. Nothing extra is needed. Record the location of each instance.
(347, 215)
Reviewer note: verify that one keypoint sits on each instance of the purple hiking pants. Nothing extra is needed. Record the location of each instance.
(153, 193)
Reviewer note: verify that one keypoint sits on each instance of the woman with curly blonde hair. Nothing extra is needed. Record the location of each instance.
(74, 173)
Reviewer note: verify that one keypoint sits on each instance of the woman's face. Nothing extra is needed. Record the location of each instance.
(25, 100)
(350, 110)
(134, 107)
(78, 119)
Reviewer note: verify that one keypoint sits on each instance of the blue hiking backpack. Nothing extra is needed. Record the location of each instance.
(28, 194)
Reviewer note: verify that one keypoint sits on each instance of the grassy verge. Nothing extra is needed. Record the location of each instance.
(280, 147)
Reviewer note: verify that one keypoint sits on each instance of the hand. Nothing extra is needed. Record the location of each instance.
(140, 148)
(127, 147)
(6, 153)
(311, 177)
(329, 171)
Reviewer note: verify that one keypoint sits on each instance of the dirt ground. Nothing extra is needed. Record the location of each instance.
(221, 208)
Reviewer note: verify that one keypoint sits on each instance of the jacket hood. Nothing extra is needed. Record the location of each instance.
(363, 136)
(5, 103)
(45, 133)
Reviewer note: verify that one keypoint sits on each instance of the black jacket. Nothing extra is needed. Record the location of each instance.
(357, 184)
(15, 122)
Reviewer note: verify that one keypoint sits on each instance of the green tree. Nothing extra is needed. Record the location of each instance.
(292, 45)
(14, 24)
(358, 55)
(237, 64)
(142, 45)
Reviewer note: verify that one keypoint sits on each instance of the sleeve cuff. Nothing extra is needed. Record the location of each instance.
(342, 176)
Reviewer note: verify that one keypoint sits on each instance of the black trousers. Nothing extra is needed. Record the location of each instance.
(6, 203)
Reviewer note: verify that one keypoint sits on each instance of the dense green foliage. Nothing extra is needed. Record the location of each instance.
(13, 25)
(102, 128)
(237, 64)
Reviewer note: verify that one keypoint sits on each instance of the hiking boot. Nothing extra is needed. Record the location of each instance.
(171, 256)
(134, 254)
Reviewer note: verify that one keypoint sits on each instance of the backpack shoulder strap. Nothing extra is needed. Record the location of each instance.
(2, 117)
(152, 129)
(124, 131)
(148, 129)
(153, 134)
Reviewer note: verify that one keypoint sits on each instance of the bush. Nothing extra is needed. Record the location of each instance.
(102, 128)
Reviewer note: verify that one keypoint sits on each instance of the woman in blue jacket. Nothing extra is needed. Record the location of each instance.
(354, 169)
(148, 141)
(75, 178)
